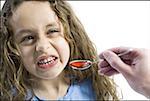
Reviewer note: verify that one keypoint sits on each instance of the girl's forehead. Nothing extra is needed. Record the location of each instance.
(33, 14)
(28, 7)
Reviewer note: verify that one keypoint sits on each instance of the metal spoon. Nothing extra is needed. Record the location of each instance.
(85, 64)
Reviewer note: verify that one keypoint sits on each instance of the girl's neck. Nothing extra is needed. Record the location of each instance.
(52, 89)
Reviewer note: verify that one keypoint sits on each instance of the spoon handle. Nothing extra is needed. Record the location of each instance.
(121, 54)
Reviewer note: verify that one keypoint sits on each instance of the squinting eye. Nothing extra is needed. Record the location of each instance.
(52, 31)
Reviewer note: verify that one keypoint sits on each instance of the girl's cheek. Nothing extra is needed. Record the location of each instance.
(26, 52)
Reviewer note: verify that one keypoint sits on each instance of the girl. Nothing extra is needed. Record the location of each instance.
(38, 39)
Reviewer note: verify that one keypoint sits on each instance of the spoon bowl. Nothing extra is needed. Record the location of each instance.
(80, 64)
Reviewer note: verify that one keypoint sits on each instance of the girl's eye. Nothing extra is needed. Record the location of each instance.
(52, 31)
(28, 39)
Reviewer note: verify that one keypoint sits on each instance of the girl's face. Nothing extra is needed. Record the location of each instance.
(40, 37)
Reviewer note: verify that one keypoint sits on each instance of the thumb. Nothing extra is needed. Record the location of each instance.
(116, 63)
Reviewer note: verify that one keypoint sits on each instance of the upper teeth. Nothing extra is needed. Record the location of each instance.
(47, 60)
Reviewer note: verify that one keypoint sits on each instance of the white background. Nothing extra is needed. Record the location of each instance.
(116, 23)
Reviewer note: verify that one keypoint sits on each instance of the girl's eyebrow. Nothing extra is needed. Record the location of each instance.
(51, 25)
(18, 33)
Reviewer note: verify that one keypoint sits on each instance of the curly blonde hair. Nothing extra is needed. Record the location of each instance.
(13, 74)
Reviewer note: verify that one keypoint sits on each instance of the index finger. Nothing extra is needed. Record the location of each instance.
(116, 50)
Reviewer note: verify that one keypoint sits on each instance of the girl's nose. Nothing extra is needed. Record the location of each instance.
(42, 45)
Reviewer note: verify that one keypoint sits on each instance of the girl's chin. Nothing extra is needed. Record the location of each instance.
(52, 75)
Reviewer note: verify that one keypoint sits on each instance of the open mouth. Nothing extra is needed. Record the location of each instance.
(45, 62)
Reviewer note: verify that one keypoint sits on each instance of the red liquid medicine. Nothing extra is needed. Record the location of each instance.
(80, 64)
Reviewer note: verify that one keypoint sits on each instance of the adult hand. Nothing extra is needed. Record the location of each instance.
(134, 66)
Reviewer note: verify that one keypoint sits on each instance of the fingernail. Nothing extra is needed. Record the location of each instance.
(106, 54)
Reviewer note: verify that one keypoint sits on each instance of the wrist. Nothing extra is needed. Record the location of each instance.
(146, 89)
